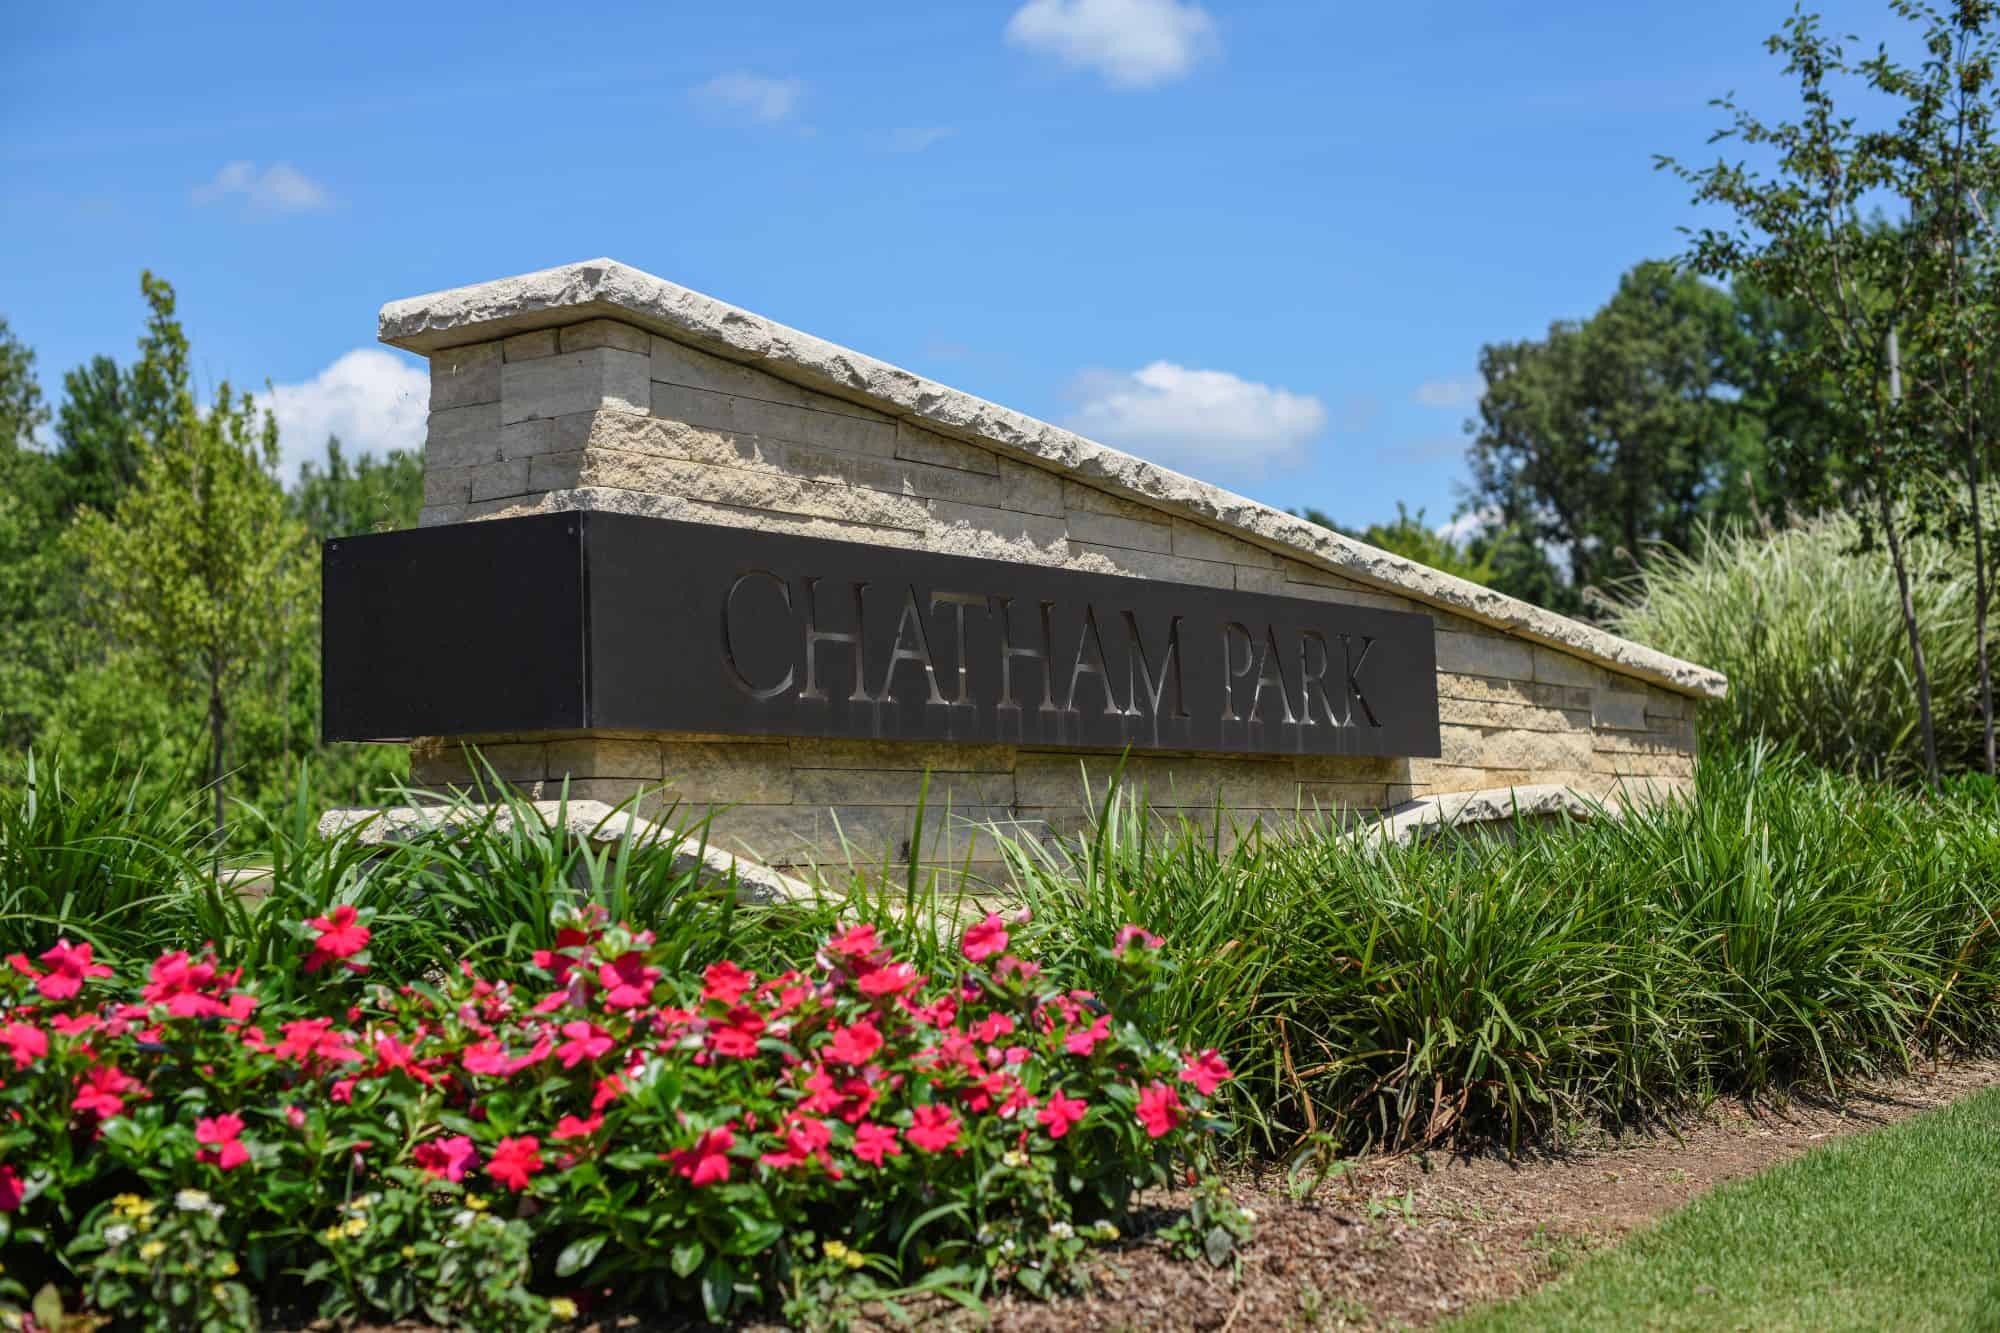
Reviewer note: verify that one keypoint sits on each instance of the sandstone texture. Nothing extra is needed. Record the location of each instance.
(597, 387)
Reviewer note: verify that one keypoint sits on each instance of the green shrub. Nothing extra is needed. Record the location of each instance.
(1808, 630)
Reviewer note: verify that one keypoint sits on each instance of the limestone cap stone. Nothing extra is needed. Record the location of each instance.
(604, 288)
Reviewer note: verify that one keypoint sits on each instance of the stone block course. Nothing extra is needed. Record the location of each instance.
(757, 416)
(605, 333)
(462, 376)
(922, 446)
(1485, 655)
(602, 379)
(529, 346)
(463, 436)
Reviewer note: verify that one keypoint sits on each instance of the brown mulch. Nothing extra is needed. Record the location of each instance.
(1406, 1241)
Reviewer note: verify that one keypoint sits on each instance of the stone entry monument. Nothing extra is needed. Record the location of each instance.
(674, 546)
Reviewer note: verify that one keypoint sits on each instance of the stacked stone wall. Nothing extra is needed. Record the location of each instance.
(602, 415)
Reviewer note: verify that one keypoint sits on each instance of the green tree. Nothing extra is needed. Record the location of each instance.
(339, 498)
(1620, 431)
(1800, 230)
(31, 568)
(22, 411)
(199, 570)
(109, 413)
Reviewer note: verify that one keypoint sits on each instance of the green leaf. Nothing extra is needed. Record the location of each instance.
(578, 1254)
(686, 1257)
(751, 1237)
(718, 1282)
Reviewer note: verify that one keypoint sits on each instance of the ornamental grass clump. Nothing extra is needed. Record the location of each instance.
(190, 1147)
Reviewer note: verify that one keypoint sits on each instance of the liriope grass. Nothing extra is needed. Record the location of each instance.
(1785, 924)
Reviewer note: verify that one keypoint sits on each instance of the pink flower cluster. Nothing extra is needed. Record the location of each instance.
(861, 1065)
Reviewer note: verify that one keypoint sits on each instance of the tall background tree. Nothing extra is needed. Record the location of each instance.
(1628, 430)
(198, 569)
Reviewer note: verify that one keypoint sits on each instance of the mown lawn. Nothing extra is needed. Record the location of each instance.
(1899, 1229)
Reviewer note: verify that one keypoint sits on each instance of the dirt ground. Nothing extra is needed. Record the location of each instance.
(1404, 1242)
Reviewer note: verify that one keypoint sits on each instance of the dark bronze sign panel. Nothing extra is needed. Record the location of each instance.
(614, 622)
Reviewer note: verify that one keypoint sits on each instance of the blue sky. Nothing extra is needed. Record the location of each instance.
(1262, 242)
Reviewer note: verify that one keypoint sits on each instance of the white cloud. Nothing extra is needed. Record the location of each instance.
(1197, 420)
(372, 399)
(915, 139)
(1469, 525)
(1461, 394)
(278, 188)
(751, 98)
(1132, 43)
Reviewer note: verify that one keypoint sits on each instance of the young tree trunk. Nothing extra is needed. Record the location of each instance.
(217, 717)
(1979, 611)
(1909, 606)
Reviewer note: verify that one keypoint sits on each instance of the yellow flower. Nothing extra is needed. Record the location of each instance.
(354, 1226)
(220, 1292)
(562, 1307)
(229, 1268)
(131, 1205)
(331, 1234)
(834, 1250)
(476, 1203)
(152, 1250)
(856, 1258)
(409, 1251)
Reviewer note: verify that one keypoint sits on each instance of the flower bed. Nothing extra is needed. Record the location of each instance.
(182, 1152)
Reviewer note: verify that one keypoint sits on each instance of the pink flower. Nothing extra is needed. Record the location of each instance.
(855, 1045)
(1061, 1114)
(628, 983)
(1085, 1041)
(1139, 935)
(514, 1160)
(934, 1128)
(340, 936)
(725, 981)
(221, 1137)
(445, 1159)
(737, 1038)
(312, 1041)
(183, 985)
(486, 1057)
(892, 979)
(103, 1091)
(1160, 1109)
(985, 939)
(69, 1025)
(855, 942)
(874, 1143)
(10, 1189)
(25, 1042)
(69, 967)
(992, 1028)
(570, 1127)
(805, 1139)
(1206, 1071)
(707, 1163)
(586, 1041)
